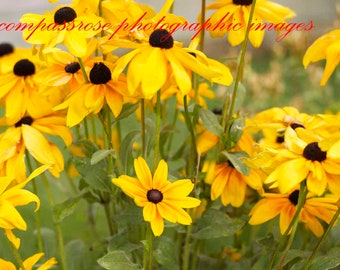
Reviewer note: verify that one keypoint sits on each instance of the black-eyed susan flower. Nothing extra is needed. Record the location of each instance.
(230, 184)
(325, 47)
(152, 63)
(231, 16)
(65, 24)
(19, 90)
(91, 97)
(159, 197)
(313, 210)
(30, 263)
(305, 157)
(28, 134)
(9, 55)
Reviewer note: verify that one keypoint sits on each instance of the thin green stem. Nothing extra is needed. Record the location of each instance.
(142, 103)
(38, 213)
(16, 255)
(148, 249)
(227, 116)
(174, 121)
(290, 230)
(56, 224)
(193, 152)
(323, 237)
(158, 130)
(108, 218)
(202, 34)
(186, 256)
(82, 67)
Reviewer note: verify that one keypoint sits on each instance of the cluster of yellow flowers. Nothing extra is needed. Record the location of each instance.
(49, 89)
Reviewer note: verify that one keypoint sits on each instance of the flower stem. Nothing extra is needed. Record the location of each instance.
(186, 255)
(291, 228)
(158, 130)
(148, 249)
(16, 254)
(142, 103)
(38, 213)
(203, 4)
(193, 152)
(227, 116)
(329, 227)
(56, 224)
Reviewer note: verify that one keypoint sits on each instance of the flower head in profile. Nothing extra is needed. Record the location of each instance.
(313, 210)
(159, 197)
(235, 13)
(325, 47)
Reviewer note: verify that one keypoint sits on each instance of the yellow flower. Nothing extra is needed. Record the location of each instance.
(29, 263)
(20, 90)
(325, 47)
(65, 24)
(152, 63)
(12, 195)
(90, 97)
(231, 16)
(9, 55)
(159, 197)
(27, 133)
(306, 157)
(285, 206)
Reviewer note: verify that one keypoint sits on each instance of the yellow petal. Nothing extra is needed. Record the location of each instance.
(286, 216)
(143, 173)
(18, 197)
(265, 210)
(37, 145)
(13, 239)
(160, 178)
(131, 186)
(6, 265)
(31, 261)
(157, 225)
(10, 217)
(76, 43)
(114, 100)
(332, 60)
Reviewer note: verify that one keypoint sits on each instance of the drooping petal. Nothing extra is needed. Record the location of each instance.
(18, 197)
(10, 217)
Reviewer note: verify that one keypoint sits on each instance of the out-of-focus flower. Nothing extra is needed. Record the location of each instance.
(159, 197)
(27, 134)
(231, 16)
(285, 205)
(29, 263)
(65, 24)
(325, 47)
(91, 97)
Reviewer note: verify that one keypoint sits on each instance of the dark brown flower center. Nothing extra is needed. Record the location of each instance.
(100, 74)
(294, 197)
(24, 67)
(27, 120)
(296, 125)
(6, 48)
(217, 111)
(64, 15)
(242, 2)
(313, 152)
(280, 138)
(72, 67)
(154, 196)
(162, 39)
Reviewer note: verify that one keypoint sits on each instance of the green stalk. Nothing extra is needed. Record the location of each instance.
(158, 130)
(227, 115)
(202, 34)
(193, 151)
(329, 227)
(38, 213)
(142, 103)
(56, 224)
(186, 256)
(292, 227)
(16, 255)
(148, 248)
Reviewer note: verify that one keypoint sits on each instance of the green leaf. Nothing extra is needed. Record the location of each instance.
(121, 242)
(240, 96)
(65, 209)
(221, 226)
(100, 155)
(126, 147)
(236, 159)
(94, 175)
(117, 260)
(165, 253)
(127, 110)
(236, 130)
(74, 251)
(210, 122)
(327, 262)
